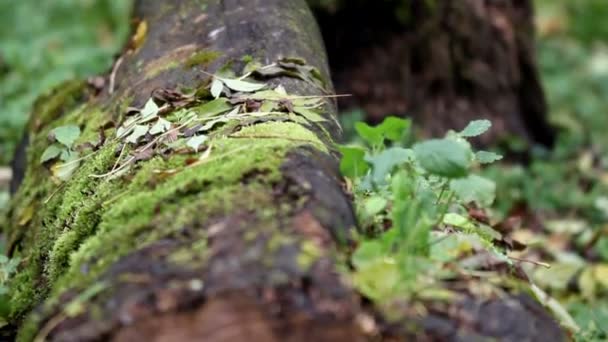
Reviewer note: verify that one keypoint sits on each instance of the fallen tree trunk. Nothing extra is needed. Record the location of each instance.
(236, 237)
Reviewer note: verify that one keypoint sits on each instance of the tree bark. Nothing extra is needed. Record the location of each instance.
(243, 246)
(444, 63)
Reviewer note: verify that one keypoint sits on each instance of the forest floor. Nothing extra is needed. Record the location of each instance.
(557, 205)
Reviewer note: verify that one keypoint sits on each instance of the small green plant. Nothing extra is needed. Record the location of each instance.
(412, 204)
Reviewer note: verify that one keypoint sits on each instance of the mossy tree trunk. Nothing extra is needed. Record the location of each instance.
(442, 62)
(246, 243)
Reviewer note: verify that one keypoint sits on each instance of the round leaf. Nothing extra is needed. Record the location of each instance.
(50, 153)
(485, 157)
(476, 128)
(444, 157)
(66, 135)
(353, 162)
(474, 189)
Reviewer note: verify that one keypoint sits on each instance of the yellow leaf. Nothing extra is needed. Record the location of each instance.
(601, 274)
(26, 215)
(140, 35)
(587, 283)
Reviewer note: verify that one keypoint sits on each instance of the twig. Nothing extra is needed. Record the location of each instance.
(49, 326)
(113, 74)
(537, 263)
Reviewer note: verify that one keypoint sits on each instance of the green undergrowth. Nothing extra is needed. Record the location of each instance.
(556, 204)
(428, 233)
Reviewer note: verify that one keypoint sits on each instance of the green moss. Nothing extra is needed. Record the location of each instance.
(309, 254)
(287, 131)
(49, 107)
(156, 68)
(83, 226)
(186, 57)
(189, 253)
(202, 58)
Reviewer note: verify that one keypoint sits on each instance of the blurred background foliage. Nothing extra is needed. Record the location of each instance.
(46, 42)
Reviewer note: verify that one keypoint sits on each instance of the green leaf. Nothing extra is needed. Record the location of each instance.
(161, 126)
(281, 90)
(138, 132)
(122, 131)
(457, 220)
(242, 86)
(411, 222)
(66, 135)
(51, 152)
(373, 206)
(450, 247)
(150, 111)
(485, 157)
(310, 115)
(196, 141)
(387, 160)
(367, 252)
(66, 155)
(263, 95)
(214, 107)
(476, 128)
(377, 273)
(65, 170)
(444, 157)
(267, 106)
(394, 129)
(369, 134)
(210, 124)
(353, 162)
(217, 86)
(475, 189)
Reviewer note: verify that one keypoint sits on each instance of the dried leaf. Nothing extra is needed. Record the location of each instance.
(242, 86)
(310, 115)
(150, 111)
(161, 126)
(138, 132)
(281, 90)
(144, 154)
(196, 141)
(217, 86)
(123, 131)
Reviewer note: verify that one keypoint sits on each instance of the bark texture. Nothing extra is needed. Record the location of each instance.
(245, 246)
(442, 62)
